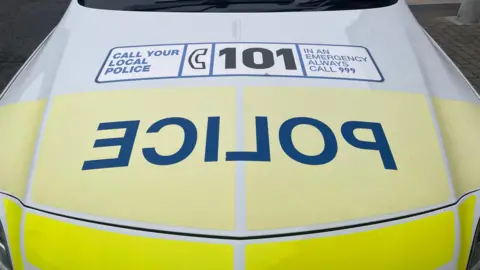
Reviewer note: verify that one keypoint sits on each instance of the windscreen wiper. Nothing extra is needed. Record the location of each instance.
(338, 4)
(163, 5)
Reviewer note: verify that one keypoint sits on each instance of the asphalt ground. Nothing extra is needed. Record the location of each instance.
(460, 42)
(23, 26)
(25, 23)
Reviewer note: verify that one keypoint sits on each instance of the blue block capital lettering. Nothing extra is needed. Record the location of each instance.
(380, 144)
(285, 135)
(263, 144)
(125, 143)
(185, 150)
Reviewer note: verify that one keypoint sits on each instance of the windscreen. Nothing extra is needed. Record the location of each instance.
(235, 5)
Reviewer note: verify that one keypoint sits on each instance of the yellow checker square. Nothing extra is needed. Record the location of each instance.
(13, 212)
(54, 244)
(141, 187)
(19, 126)
(466, 212)
(460, 126)
(356, 180)
(423, 244)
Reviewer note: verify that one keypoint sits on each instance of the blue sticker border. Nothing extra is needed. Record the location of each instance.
(296, 45)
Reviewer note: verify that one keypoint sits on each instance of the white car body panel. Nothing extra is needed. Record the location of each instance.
(409, 60)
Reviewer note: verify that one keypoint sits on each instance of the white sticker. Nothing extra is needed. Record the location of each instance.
(197, 61)
(262, 59)
(342, 62)
(345, 62)
(133, 63)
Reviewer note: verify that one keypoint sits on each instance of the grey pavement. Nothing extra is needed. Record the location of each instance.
(25, 23)
(460, 42)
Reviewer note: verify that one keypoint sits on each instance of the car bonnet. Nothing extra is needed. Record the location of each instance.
(123, 118)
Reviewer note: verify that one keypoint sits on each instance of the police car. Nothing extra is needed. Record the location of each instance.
(239, 134)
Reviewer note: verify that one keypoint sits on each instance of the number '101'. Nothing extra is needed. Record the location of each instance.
(267, 58)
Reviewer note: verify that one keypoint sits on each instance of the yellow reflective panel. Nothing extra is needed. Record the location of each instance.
(19, 125)
(355, 182)
(466, 213)
(460, 125)
(53, 244)
(14, 220)
(190, 193)
(421, 244)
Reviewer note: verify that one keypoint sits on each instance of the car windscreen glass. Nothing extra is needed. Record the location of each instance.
(235, 5)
